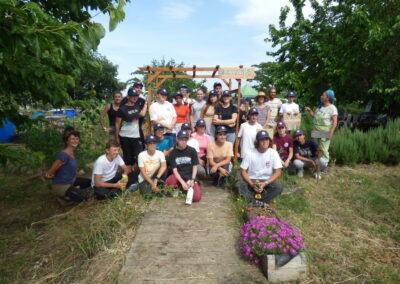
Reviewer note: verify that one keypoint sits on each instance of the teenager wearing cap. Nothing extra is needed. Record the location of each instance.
(182, 111)
(111, 109)
(283, 143)
(164, 144)
(219, 156)
(307, 155)
(208, 111)
(244, 109)
(325, 122)
(197, 106)
(247, 133)
(274, 104)
(260, 170)
(226, 114)
(203, 139)
(106, 174)
(290, 107)
(163, 112)
(183, 161)
(128, 130)
(185, 92)
(152, 166)
(191, 142)
(264, 111)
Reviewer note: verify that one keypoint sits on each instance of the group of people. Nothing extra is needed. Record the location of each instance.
(193, 139)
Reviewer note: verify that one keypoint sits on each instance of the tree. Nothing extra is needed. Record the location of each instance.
(97, 82)
(43, 52)
(351, 46)
(171, 85)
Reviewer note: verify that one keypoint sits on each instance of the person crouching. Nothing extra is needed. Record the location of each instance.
(259, 170)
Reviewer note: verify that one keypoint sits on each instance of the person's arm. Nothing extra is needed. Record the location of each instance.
(203, 111)
(333, 127)
(268, 118)
(144, 110)
(180, 179)
(246, 178)
(309, 110)
(147, 178)
(117, 128)
(54, 168)
(125, 168)
(274, 177)
(102, 115)
(161, 170)
(99, 183)
(304, 159)
(290, 156)
(190, 183)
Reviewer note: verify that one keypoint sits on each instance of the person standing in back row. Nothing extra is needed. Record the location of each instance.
(274, 104)
(247, 133)
(197, 106)
(111, 109)
(128, 130)
(226, 114)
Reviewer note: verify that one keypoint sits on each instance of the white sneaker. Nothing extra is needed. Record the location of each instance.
(317, 176)
(300, 174)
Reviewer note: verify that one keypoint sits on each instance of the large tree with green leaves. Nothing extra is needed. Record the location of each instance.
(352, 46)
(44, 47)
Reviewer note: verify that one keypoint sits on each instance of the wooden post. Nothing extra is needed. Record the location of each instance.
(238, 118)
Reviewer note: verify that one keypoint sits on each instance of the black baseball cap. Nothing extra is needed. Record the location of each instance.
(200, 123)
(213, 93)
(158, 126)
(186, 126)
(298, 133)
(220, 129)
(150, 139)
(291, 94)
(132, 92)
(162, 92)
(262, 135)
(183, 134)
(226, 93)
(253, 110)
(177, 95)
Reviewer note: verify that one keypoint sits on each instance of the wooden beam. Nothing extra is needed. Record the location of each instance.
(159, 83)
(226, 83)
(215, 70)
(172, 69)
(151, 77)
(194, 71)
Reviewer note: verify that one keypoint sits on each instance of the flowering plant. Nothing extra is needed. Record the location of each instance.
(265, 235)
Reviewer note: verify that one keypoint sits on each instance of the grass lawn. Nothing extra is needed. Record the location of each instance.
(350, 222)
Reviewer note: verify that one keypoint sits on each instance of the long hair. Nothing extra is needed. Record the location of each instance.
(210, 103)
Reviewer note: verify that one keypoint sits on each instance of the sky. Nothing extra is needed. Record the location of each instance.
(196, 32)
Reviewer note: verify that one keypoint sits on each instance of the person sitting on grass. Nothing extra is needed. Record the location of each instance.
(204, 140)
(183, 161)
(164, 144)
(260, 170)
(152, 166)
(65, 184)
(283, 143)
(106, 174)
(219, 155)
(307, 154)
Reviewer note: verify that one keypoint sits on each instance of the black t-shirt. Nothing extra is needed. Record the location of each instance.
(112, 114)
(128, 113)
(225, 114)
(307, 150)
(183, 161)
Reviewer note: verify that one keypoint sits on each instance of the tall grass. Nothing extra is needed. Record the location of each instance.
(377, 145)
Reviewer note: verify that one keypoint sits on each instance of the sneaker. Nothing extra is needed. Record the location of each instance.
(300, 174)
(133, 187)
(317, 176)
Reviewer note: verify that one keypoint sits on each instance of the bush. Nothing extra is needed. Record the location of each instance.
(378, 145)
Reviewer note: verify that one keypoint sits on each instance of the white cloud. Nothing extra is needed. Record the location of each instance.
(177, 11)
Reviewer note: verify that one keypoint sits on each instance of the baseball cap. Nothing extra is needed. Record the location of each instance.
(186, 126)
(226, 93)
(298, 133)
(200, 122)
(183, 86)
(212, 93)
(150, 139)
(183, 134)
(280, 124)
(162, 92)
(132, 92)
(158, 126)
(220, 129)
(253, 110)
(262, 135)
(291, 94)
(177, 95)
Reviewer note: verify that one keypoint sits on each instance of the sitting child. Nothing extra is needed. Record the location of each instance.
(283, 143)
(106, 174)
(164, 144)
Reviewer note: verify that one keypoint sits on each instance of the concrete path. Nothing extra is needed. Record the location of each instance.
(177, 243)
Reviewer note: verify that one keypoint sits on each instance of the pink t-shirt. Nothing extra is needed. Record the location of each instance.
(203, 140)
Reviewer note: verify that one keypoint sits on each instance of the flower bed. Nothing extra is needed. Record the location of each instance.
(265, 235)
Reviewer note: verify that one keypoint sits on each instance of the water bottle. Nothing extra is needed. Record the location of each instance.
(189, 196)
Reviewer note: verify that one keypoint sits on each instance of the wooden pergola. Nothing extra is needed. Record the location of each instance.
(156, 76)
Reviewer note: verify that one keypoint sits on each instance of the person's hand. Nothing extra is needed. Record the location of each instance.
(118, 185)
(263, 185)
(190, 183)
(49, 176)
(106, 129)
(185, 186)
(215, 120)
(286, 163)
(154, 186)
(214, 169)
(313, 164)
(330, 135)
(223, 172)
(288, 113)
(307, 109)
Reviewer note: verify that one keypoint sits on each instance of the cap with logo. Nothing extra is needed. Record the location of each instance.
(158, 126)
(150, 139)
(132, 92)
(226, 93)
(280, 124)
(262, 135)
(200, 123)
(220, 129)
(298, 133)
(177, 95)
(183, 134)
(252, 111)
(186, 126)
(213, 94)
(291, 94)
(162, 92)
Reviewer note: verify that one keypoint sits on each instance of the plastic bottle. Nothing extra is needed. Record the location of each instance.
(189, 196)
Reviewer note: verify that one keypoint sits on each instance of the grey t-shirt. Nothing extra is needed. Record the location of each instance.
(196, 110)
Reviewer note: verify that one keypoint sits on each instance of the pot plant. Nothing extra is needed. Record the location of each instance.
(262, 236)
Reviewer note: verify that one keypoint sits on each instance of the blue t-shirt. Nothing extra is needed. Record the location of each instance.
(66, 174)
(164, 144)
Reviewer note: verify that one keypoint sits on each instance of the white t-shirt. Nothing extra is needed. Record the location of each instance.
(105, 168)
(274, 105)
(323, 117)
(194, 144)
(248, 133)
(164, 112)
(260, 166)
(151, 164)
(289, 107)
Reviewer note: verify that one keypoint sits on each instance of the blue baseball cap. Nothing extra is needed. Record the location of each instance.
(291, 94)
(280, 124)
(226, 93)
(183, 134)
(220, 129)
(177, 95)
(150, 139)
(200, 123)
(262, 135)
(186, 126)
(158, 126)
(213, 93)
(132, 92)
(298, 133)
(162, 92)
(252, 111)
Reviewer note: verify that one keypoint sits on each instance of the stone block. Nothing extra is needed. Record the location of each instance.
(295, 269)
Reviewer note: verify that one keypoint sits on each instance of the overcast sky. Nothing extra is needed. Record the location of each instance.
(196, 32)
